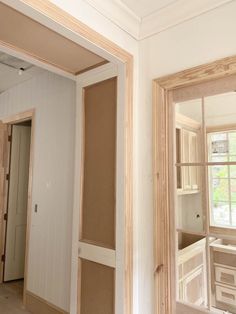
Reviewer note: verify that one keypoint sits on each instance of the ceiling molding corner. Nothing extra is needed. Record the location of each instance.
(174, 14)
(119, 14)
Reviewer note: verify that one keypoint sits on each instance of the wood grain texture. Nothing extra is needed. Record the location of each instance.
(65, 20)
(4, 165)
(163, 116)
(214, 70)
(37, 305)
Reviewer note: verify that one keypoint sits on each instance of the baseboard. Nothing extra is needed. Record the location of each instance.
(37, 305)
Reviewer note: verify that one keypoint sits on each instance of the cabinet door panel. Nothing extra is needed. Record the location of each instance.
(193, 288)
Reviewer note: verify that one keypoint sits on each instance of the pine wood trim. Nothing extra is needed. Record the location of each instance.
(164, 228)
(207, 72)
(51, 11)
(221, 128)
(4, 198)
(13, 119)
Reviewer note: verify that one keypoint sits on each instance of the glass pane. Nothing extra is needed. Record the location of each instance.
(190, 213)
(232, 143)
(233, 214)
(232, 158)
(219, 195)
(189, 131)
(223, 280)
(217, 147)
(220, 214)
(220, 118)
(218, 158)
(233, 190)
(220, 190)
(220, 171)
(232, 171)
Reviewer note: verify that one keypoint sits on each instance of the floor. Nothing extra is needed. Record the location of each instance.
(11, 298)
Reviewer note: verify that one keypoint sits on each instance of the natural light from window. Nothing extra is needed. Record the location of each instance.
(222, 178)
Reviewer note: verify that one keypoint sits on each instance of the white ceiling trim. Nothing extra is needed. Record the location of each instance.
(176, 13)
(119, 14)
(160, 20)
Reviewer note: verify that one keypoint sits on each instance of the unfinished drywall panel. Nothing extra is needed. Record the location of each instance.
(53, 98)
(99, 190)
(97, 284)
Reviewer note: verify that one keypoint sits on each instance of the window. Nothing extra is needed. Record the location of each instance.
(205, 206)
(222, 178)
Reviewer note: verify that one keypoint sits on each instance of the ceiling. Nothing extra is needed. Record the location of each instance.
(143, 8)
(9, 71)
(144, 18)
(18, 31)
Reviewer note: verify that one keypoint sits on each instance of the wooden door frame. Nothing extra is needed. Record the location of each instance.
(110, 257)
(163, 173)
(15, 119)
(48, 14)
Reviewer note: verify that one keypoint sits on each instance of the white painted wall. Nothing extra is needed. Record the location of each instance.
(53, 175)
(197, 41)
(203, 39)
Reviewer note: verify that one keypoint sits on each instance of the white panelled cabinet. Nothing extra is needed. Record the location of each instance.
(187, 151)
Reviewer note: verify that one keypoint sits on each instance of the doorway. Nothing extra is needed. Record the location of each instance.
(69, 28)
(16, 216)
(17, 169)
(194, 145)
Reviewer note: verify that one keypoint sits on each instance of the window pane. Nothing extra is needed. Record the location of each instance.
(233, 190)
(219, 136)
(232, 171)
(218, 158)
(220, 214)
(232, 158)
(233, 214)
(232, 143)
(220, 190)
(220, 172)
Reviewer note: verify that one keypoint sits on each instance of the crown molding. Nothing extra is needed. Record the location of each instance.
(119, 14)
(141, 28)
(176, 13)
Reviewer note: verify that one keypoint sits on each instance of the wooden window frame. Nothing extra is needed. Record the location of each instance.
(163, 172)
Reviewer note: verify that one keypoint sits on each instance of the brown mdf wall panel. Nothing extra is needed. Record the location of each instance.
(18, 31)
(97, 288)
(98, 205)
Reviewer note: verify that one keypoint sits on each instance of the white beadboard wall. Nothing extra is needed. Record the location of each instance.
(53, 97)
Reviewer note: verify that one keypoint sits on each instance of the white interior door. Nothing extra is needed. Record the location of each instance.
(17, 203)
